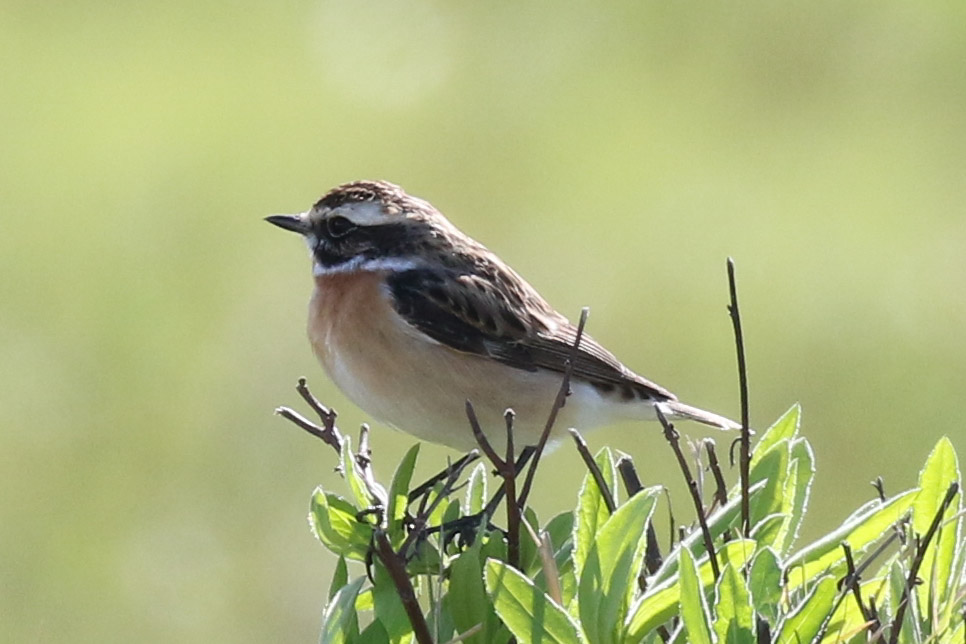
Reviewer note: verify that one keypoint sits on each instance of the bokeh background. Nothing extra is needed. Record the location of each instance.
(615, 155)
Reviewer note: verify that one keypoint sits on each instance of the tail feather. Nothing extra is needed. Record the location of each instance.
(675, 409)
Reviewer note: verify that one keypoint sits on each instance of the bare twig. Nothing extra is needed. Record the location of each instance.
(851, 582)
(468, 633)
(721, 488)
(917, 561)
(879, 486)
(327, 432)
(507, 470)
(558, 404)
(743, 389)
(594, 470)
(418, 525)
(396, 567)
(513, 510)
(652, 551)
(430, 483)
(328, 437)
(674, 439)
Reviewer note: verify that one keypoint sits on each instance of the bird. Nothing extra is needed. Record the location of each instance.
(412, 319)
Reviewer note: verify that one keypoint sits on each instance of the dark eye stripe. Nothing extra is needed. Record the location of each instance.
(339, 226)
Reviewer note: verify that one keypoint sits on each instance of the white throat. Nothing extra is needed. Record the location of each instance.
(366, 264)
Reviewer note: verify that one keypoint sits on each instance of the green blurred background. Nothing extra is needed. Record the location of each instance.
(615, 155)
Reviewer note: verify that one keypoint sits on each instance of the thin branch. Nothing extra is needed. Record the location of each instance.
(430, 483)
(917, 561)
(743, 389)
(674, 439)
(851, 582)
(594, 470)
(480, 437)
(418, 526)
(327, 432)
(558, 404)
(652, 550)
(513, 509)
(721, 488)
(333, 439)
(879, 486)
(396, 567)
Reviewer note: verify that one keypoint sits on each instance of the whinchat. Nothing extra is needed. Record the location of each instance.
(411, 318)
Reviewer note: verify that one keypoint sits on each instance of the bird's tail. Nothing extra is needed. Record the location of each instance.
(674, 409)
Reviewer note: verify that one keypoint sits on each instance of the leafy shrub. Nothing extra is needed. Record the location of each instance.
(893, 571)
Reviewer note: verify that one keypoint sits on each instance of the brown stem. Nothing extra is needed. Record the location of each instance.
(743, 389)
(558, 404)
(917, 561)
(594, 470)
(674, 439)
(396, 567)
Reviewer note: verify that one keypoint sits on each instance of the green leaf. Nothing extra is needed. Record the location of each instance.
(734, 617)
(339, 578)
(864, 528)
(333, 521)
(399, 490)
(725, 517)
(476, 490)
(766, 583)
(591, 511)
(605, 588)
(388, 608)
(660, 602)
(772, 468)
(910, 621)
(353, 476)
(940, 471)
(785, 428)
(467, 601)
(374, 633)
(805, 620)
(560, 530)
(694, 609)
(339, 621)
(527, 611)
(797, 491)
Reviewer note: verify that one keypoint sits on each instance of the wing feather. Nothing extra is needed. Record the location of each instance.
(504, 318)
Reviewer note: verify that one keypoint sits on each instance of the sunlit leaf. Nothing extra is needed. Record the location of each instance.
(765, 582)
(526, 610)
(805, 620)
(476, 490)
(660, 602)
(693, 607)
(616, 556)
(333, 521)
(339, 621)
(860, 531)
(785, 428)
(734, 621)
(940, 471)
(591, 511)
(467, 601)
(399, 490)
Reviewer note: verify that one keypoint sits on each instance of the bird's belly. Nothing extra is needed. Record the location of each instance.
(405, 379)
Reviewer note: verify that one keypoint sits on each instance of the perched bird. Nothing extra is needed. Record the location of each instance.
(411, 318)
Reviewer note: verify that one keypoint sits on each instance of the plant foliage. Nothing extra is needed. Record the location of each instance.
(893, 571)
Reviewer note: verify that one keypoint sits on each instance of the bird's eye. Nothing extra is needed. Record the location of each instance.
(339, 226)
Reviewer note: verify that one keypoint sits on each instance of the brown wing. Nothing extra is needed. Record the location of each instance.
(504, 318)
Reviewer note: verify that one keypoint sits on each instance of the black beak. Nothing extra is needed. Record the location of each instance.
(295, 223)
